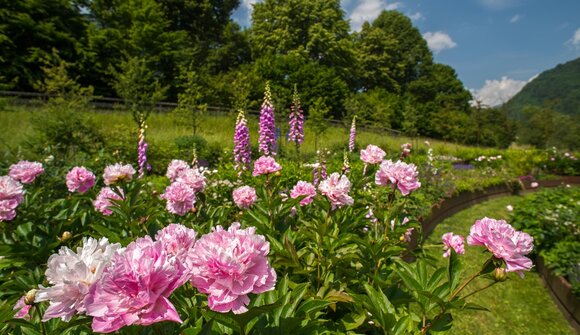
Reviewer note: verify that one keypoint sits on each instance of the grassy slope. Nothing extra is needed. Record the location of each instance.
(15, 126)
(518, 306)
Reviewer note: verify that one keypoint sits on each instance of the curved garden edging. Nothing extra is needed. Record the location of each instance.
(559, 288)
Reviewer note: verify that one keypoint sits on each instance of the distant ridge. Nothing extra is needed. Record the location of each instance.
(558, 87)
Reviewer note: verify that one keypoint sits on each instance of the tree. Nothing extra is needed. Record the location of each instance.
(437, 89)
(307, 43)
(126, 29)
(392, 52)
(30, 30)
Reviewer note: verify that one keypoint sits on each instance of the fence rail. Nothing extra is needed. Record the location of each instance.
(107, 103)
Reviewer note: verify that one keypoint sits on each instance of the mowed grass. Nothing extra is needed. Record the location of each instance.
(16, 126)
(517, 306)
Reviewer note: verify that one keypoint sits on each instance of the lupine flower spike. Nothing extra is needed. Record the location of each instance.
(296, 122)
(267, 131)
(242, 151)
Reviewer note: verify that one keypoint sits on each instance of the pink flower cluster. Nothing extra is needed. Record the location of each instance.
(178, 241)
(25, 171)
(192, 178)
(400, 174)
(180, 198)
(454, 242)
(229, 265)
(11, 195)
(504, 242)
(372, 154)
(175, 168)
(303, 189)
(336, 188)
(103, 202)
(244, 196)
(135, 287)
(79, 179)
(185, 183)
(265, 165)
(118, 172)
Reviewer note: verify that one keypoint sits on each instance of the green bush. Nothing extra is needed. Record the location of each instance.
(552, 218)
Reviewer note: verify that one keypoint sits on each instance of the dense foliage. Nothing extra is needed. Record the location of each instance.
(551, 217)
(193, 53)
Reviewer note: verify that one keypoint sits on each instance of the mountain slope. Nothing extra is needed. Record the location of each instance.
(558, 87)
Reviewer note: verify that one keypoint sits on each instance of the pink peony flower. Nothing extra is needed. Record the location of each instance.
(25, 171)
(336, 188)
(79, 179)
(400, 174)
(372, 154)
(265, 165)
(117, 172)
(454, 242)
(175, 168)
(11, 195)
(103, 201)
(229, 265)
(180, 198)
(534, 185)
(178, 241)
(23, 309)
(135, 287)
(244, 196)
(71, 275)
(504, 242)
(303, 189)
(192, 178)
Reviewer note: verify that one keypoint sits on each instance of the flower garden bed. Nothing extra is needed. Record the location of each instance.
(560, 289)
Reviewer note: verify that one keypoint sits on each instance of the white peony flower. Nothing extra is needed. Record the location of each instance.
(71, 275)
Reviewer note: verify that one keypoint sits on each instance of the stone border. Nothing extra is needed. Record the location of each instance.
(559, 288)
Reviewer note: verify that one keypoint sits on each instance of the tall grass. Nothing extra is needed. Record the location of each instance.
(16, 126)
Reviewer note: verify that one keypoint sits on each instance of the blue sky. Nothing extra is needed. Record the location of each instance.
(496, 46)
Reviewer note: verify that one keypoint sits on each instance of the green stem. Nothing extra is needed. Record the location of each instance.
(42, 328)
(469, 280)
(479, 290)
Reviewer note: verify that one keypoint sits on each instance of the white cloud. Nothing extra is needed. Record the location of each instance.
(248, 4)
(498, 4)
(416, 16)
(575, 40)
(497, 92)
(516, 18)
(368, 10)
(438, 41)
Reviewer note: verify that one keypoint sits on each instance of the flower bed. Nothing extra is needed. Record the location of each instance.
(297, 256)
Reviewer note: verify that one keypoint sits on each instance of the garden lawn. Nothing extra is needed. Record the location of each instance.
(517, 306)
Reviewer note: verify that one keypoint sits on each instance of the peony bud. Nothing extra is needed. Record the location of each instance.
(499, 275)
(30, 296)
(67, 235)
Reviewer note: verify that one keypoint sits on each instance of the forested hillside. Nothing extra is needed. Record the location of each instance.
(558, 87)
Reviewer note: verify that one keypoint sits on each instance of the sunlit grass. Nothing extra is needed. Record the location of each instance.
(517, 306)
(16, 126)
